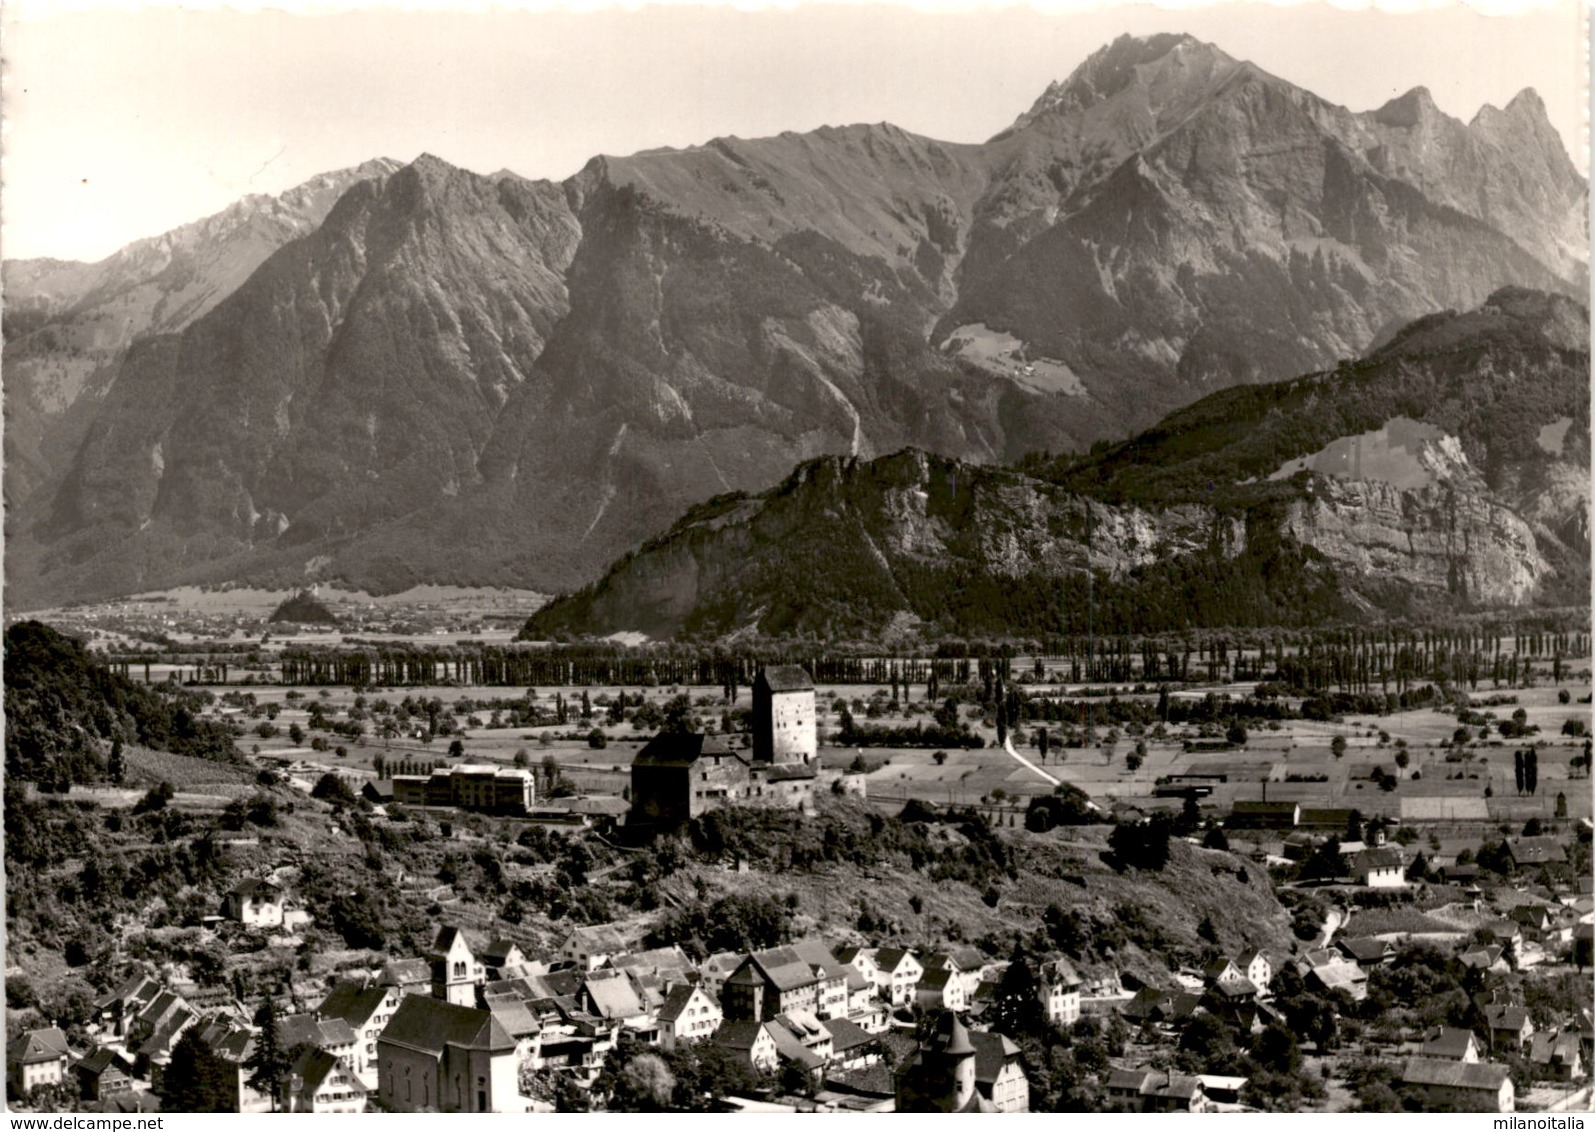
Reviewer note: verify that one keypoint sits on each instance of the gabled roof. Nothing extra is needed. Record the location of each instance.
(1504, 1016)
(890, 958)
(256, 887)
(612, 995)
(596, 937)
(1061, 972)
(1127, 1079)
(1217, 969)
(313, 1066)
(1377, 859)
(790, 1048)
(38, 1045)
(447, 936)
(1447, 1042)
(1245, 958)
(1534, 915)
(406, 972)
(1365, 949)
(721, 963)
(1483, 957)
(101, 1060)
(307, 1029)
(498, 951)
(163, 1005)
(235, 1046)
(681, 749)
(968, 958)
(1235, 988)
(850, 955)
(739, 1035)
(352, 1002)
(676, 1001)
(139, 987)
(783, 968)
(846, 1035)
(992, 1052)
(664, 960)
(163, 1037)
(515, 1016)
(784, 678)
(431, 1025)
(1536, 850)
(1548, 1048)
(1454, 1074)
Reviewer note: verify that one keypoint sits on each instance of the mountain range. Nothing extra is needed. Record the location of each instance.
(440, 376)
(1446, 470)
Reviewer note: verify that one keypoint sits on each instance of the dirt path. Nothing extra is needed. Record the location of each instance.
(1007, 745)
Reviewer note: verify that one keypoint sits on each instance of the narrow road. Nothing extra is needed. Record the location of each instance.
(1007, 745)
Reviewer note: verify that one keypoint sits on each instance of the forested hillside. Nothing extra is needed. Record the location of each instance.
(65, 712)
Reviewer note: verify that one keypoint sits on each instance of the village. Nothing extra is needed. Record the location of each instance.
(1435, 959)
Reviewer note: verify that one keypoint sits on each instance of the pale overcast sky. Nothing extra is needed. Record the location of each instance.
(125, 124)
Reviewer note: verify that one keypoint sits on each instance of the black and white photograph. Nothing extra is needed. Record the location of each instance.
(834, 558)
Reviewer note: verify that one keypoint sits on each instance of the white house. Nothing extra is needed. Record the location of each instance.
(1060, 990)
(1379, 868)
(255, 903)
(688, 1015)
(897, 975)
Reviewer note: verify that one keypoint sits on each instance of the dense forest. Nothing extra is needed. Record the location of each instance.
(66, 712)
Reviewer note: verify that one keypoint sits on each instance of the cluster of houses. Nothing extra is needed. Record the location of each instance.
(460, 1029)
(1448, 1067)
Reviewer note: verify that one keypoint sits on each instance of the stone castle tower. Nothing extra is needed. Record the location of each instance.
(784, 721)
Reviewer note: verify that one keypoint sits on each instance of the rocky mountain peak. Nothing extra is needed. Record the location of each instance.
(1164, 66)
(1408, 110)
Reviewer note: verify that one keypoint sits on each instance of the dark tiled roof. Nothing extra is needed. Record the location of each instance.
(1506, 1017)
(498, 951)
(404, 972)
(1537, 850)
(1453, 1074)
(515, 1016)
(783, 967)
(1448, 1042)
(784, 678)
(254, 886)
(888, 958)
(681, 750)
(101, 1060)
(353, 1003)
(676, 1002)
(1378, 859)
(430, 1024)
(846, 1035)
(992, 1052)
(738, 1035)
(38, 1045)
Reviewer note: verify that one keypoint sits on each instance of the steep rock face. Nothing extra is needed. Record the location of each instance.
(847, 545)
(1254, 505)
(68, 325)
(354, 378)
(1438, 539)
(1203, 223)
